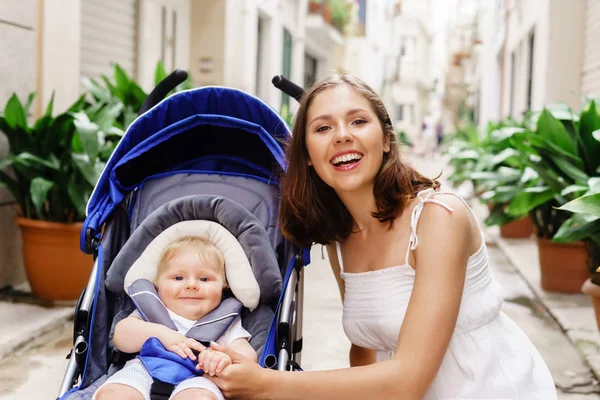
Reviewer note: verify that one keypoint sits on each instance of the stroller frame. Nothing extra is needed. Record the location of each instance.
(289, 314)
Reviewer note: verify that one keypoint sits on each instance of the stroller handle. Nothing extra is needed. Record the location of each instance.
(163, 88)
(288, 87)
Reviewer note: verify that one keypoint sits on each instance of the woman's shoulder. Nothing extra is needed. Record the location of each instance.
(446, 211)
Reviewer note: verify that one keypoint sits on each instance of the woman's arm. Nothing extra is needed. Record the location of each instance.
(445, 243)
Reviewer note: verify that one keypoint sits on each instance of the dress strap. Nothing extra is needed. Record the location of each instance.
(339, 255)
(424, 196)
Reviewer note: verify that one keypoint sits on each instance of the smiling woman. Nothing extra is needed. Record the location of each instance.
(421, 308)
(348, 133)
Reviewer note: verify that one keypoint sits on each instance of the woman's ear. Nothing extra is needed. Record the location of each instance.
(386, 144)
(309, 163)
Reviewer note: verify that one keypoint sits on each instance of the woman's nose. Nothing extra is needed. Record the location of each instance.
(343, 135)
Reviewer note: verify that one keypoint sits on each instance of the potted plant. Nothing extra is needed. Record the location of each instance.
(51, 168)
(585, 223)
(563, 152)
(500, 175)
(340, 14)
(496, 172)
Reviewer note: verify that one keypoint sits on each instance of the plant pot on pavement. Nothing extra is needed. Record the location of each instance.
(563, 266)
(520, 228)
(55, 266)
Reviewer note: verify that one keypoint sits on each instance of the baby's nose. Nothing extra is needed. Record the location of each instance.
(191, 284)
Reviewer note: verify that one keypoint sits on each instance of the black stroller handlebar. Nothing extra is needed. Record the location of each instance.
(163, 88)
(288, 87)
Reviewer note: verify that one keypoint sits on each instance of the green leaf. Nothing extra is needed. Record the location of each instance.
(589, 122)
(121, 79)
(554, 132)
(107, 116)
(529, 199)
(78, 105)
(14, 114)
(572, 189)
(596, 135)
(39, 193)
(78, 197)
(49, 107)
(588, 204)
(31, 160)
(29, 102)
(570, 170)
(578, 227)
(159, 73)
(88, 170)
(88, 135)
(594, 184)
(529, 174)
(98, 92)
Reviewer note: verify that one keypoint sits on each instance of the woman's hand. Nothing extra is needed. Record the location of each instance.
(242, 379)
(213, 361)
(179, 344)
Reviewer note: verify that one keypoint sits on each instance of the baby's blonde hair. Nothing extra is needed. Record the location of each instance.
(203, 247)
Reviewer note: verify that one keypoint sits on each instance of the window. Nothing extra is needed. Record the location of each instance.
(408, 48)
(310, 70)
(362, 12)
(513, 78)
(287, 64)
(400, 112)
(530, 68)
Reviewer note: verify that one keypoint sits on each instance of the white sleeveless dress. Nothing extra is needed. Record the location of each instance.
(488, 357)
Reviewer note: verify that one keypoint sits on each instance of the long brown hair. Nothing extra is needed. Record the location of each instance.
(310, 210)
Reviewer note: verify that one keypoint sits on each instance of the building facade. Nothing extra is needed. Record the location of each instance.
(50, 45)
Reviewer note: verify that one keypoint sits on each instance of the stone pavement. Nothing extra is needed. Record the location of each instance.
(562, 327)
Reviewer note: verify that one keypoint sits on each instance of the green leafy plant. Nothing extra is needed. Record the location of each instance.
(340, 13)
(52, 165)
(561, 150)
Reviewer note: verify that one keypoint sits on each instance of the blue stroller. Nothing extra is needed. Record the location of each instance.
(212, 153)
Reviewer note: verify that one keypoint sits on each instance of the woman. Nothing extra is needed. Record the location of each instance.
(420, 306)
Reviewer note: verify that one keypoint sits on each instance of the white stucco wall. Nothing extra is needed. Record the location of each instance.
(488, 69)
(241, 41)
(18, 23)
(558, 53)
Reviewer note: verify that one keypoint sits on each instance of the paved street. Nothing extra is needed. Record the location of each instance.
(37, 373)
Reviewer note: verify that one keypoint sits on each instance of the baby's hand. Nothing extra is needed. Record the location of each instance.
(180, 344)
(213, 361)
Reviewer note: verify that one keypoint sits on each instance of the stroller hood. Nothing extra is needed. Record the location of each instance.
(210, 129)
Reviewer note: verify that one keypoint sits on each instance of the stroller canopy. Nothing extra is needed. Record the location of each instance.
(211, 129)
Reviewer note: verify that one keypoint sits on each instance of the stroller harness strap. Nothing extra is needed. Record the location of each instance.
(166, 366)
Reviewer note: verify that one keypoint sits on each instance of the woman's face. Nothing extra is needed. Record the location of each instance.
(344, 139)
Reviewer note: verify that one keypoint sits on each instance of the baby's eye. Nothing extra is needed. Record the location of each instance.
(322, 128)
(179, 278)
(204, 279)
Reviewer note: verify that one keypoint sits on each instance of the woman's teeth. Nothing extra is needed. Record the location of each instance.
(346, 158)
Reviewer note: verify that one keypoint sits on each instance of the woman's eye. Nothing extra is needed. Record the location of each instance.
(204, 279)
(179, 278)
(322, 128)
(359, 122)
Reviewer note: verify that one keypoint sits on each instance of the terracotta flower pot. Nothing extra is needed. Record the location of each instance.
(520, 228)
(55, 266)
(593, 291)
(563, 266)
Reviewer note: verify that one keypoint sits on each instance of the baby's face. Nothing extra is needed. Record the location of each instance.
(191, 286)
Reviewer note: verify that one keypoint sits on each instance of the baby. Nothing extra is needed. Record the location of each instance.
(190, 282)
